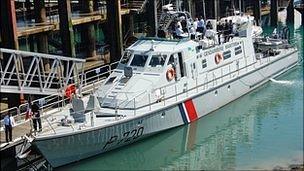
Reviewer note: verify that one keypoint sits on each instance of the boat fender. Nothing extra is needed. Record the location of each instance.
(218, 57)
(70, 90)
(170, 74)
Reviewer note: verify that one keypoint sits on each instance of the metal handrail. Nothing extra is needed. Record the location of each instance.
(46, 106)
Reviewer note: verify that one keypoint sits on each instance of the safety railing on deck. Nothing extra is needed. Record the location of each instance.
(203, 81)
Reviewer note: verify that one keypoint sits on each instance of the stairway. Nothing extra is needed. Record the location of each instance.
(137, 6)
(164, 21)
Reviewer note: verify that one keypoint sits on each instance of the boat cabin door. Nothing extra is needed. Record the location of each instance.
(178, 64)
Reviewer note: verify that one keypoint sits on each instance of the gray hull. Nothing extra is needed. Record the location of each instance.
(62, 150)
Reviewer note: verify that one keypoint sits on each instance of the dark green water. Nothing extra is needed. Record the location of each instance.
(261, 130)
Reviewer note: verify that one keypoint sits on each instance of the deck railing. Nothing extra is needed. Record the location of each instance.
(203, 81)
(211, 80)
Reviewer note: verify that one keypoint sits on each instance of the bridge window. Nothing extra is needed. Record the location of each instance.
(238, 50)
(127, 55)
(139, 60)
(198, 48)
(171, 60)
(204, 63)
(157, 60)
(227, 54)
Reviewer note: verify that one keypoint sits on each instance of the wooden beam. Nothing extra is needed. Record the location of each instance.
(45, 27)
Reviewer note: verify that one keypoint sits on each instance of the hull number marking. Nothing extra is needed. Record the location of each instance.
(124, 137)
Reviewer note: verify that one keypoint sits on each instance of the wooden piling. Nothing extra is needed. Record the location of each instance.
(274, 13)
(40, 17)
(88, 30)
(210, 14)
(8, 21)
(114, 29)
(131, 24)
(152, 17)
(41, 38)
(257, 11)
(30, 39)
(66, 28)
(290, 12)
(9, 38)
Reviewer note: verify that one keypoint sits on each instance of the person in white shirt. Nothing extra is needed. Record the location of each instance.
(201, 25)
(179, 31)
(179, 24)
(195, 24)
(192, 33)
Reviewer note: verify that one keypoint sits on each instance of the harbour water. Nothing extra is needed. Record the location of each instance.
(261, 130)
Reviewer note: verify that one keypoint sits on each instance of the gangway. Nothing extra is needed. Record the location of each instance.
(37, 73)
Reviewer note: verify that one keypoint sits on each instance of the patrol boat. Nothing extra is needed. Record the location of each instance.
(159, 84)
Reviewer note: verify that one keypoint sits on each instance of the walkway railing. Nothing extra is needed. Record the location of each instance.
(37, 73)
(93, 78)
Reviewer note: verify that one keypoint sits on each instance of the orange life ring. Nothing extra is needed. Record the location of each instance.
(170, 74)
(218, 57)
(70, 90)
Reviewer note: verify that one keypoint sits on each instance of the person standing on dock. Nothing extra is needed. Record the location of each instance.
(36, 117)
(9, 122)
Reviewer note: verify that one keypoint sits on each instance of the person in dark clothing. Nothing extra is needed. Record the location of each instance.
(209, 25)
(161, 33)
(36, 117)
(8, 123)
(229, 31)
(230, 27)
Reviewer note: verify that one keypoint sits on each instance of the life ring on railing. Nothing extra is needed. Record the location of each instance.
(70, 90)
(218, 57)
(170, 74)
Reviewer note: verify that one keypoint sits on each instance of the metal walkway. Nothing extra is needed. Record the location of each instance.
(37, 73)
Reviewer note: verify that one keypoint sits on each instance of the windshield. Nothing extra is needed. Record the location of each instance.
(157, 60)
(139, 60)
(127, 55)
